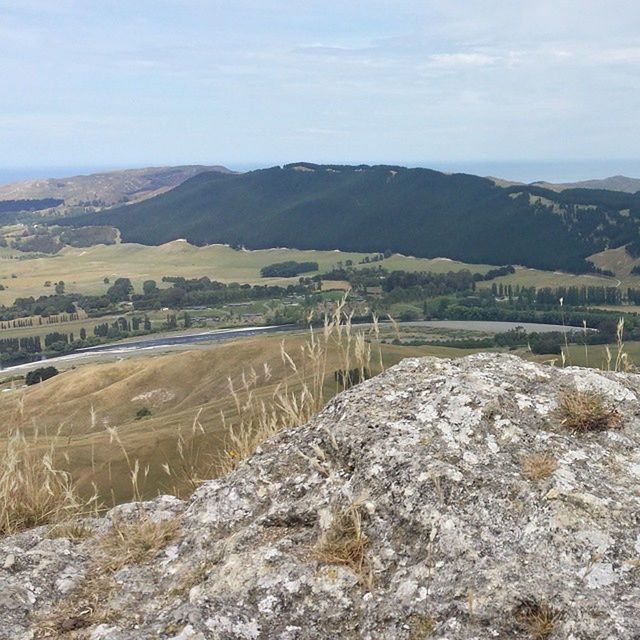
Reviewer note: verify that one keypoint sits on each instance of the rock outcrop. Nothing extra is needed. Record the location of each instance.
(442, 499)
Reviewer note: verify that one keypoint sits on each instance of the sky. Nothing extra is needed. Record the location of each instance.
(520, 86)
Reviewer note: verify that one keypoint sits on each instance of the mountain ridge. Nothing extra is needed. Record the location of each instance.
(612, 183)
(414, 211)
(107, 188)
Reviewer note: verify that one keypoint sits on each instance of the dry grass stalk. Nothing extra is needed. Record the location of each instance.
(87, 605)
(346, 544)
(193, 465)
(135, 542)
(421, 626)
(621, 362)
(33, 490)
(539, 466)
(302, 393)
(537, 619)
(74, 530)
(584, 411)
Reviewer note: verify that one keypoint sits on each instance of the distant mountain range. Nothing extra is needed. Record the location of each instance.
(614, 183)
(374, 208)
(105, 189)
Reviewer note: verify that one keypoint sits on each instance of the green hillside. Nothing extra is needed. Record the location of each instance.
(361, 208)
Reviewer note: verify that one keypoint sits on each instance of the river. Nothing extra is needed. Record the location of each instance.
(148, 343)
(174, 340)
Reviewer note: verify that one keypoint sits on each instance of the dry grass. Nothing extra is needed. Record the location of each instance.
(421, 626)
(74, 530)
(302, 393)
(33, 490)
(87, 605)
(344, 543)
(134, 543)
(585, 411)
(621, 362)
(539, 466)
(537, 619)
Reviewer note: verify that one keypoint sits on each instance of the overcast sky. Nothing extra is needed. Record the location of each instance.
(254, 82)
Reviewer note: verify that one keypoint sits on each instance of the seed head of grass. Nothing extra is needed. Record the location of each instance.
(584, 411)
(33, 490)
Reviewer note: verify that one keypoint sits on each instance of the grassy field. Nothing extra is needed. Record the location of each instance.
(84, 270)
(621, 263)
(596, 355)
(536, 278)
(81, 405)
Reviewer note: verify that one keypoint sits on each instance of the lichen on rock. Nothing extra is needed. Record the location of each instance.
(459, 537)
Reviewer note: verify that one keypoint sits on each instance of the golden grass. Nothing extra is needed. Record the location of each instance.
(302, 391)
(421, 626)
(585, 411)
(344, 543)
(134, 542)
(73, 529)
(188, 392)
(87, 605)
(539, 466)
(537, 619)
(33, 490)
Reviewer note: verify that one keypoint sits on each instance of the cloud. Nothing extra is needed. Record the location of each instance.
(462, 60)
(248, 80)
(629, 55)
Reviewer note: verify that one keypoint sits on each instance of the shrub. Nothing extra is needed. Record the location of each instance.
(40, 375)
(143, 413)
(288, 269)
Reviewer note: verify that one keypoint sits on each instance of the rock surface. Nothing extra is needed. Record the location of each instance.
(460, 542)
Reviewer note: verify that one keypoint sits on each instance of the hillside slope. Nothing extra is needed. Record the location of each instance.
(614, 183)
(408, 508)
(108, 188)
(175, 387)
(412, 211)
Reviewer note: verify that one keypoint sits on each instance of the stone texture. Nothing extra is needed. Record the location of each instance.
(431, 452)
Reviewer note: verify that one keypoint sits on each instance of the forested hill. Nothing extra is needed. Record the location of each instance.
(361, 208)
